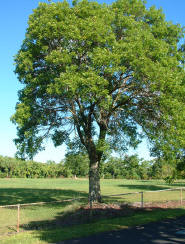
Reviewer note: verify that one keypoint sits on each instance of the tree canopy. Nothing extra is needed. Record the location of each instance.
(105, 74)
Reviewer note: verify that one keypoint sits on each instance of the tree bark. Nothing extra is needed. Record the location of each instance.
(94, 169)
(94, 182)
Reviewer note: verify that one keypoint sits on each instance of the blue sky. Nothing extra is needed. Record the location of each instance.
(13, 23)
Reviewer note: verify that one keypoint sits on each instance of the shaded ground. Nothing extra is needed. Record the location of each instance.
(84, 214)
(144, 187)
(53, 230)
(169, 231)
(34, 190)
(99, 211)
(10, 196)
(106, 211)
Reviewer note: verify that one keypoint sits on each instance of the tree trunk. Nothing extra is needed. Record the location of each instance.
(94, 182)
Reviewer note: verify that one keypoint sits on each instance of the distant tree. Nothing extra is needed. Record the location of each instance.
(13, 167)
(78, 163)
(132, 166)
(101, 72)
(145, 168)
(112, 168)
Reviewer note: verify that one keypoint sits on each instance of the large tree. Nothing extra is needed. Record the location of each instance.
(105, 74)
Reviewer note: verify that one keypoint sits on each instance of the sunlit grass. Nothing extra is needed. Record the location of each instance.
(14, 191)
(59, 234)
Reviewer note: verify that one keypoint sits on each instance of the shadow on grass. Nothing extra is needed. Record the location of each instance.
(75, 223)
(10, 196)
(176, 183)
(83, 215)
(145, 187)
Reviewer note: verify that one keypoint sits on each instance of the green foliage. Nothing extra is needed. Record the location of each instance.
(77, 163)
(16, 168)
(102, 70)
(108, 74)
(181, 164)
(130, 167)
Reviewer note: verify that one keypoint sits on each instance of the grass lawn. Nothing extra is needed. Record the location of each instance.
(56, 235)
(14, 191)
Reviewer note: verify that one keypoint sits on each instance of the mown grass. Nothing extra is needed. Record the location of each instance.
(14, 191)
(56, 235)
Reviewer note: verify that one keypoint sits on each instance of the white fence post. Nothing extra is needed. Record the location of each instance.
(142, 200)
(18, 217)
(181, 195)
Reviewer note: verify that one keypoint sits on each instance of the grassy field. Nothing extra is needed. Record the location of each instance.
(14, 191)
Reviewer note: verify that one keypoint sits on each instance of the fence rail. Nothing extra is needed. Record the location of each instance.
(15, 215)
(18, 215)
(139, 192)
(41, 203)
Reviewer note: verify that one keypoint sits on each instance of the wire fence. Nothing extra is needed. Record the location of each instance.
(21, 217)
(151, 198)
(29, 216)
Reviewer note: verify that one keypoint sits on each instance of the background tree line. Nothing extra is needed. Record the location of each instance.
(77, 165)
